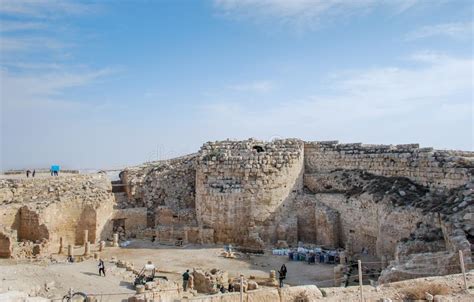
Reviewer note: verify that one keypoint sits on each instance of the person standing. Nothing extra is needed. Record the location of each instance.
(185, 280)
(282, 274)
(33, 174)
(28, 173)
(101, 267)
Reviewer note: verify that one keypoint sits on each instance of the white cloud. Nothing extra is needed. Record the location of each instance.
(43, 88)
(303, 13)
(430, 103)
(257, 86)
(10, 26)
(456, 30)
(29, 44)
(42, 8)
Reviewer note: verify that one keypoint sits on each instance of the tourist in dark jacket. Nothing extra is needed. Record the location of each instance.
(185, 280)
(282, 274)
(101, 267)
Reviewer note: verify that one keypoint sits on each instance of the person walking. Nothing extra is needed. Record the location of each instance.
(101, 267)
(185, 280)
(282, 274)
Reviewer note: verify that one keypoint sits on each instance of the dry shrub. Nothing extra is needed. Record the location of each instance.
(418, 290)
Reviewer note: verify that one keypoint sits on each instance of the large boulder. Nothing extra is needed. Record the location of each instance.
(304, 293)
(208, 282)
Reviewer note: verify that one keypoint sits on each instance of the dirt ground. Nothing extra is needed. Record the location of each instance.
(53, 280)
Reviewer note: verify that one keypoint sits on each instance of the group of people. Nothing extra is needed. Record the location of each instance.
(28, 172)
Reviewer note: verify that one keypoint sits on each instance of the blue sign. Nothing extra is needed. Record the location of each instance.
(55, 168)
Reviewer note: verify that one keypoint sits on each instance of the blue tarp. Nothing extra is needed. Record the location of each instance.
(55, 168)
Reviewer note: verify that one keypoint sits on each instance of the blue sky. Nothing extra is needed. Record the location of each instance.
(112, 83)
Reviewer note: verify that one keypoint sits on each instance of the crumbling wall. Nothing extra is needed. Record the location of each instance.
(375, 226)
(49, 208)
(134, 222)
(6, 244)
(30, 225)
(425, 166)
(242, 186)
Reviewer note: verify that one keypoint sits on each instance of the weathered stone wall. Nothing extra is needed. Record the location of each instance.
(6, 245)
(50, 208)
(242, 188)
(425, 166)
(160, 185)
(367, 224)
(134, 222)
(317, 223)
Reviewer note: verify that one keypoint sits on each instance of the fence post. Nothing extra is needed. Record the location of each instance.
(241, 288)
(463, 269)
(359, 264)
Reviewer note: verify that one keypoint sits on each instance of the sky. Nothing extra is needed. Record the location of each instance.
(106, 84)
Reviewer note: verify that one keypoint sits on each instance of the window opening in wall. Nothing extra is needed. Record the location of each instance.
(259, 149)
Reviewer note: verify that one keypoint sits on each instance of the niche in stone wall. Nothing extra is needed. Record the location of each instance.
(258, 148)
(88, 222)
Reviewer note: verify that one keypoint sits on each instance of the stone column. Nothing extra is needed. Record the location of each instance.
(272, 276)
(116, 240)
(342, 258)
(338, 274)
(60, 245)
(86, 237)
(87, 249)
(101, 246)
(70, 250)
(384, 261)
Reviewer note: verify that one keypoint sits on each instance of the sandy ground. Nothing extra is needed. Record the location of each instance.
(34, 277)
(53, 280)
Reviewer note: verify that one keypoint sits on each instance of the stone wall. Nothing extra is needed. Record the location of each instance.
(317, 223)
(425, 166)
(166, 184)
(133, 221)
(242, 188)
(49, 208)
(6, 245)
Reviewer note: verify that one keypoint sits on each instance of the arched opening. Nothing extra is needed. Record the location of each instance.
(259, 149)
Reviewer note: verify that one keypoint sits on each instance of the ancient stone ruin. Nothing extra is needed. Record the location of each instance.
(400, 203)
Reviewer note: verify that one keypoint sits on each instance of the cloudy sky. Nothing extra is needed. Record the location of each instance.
(112, 83)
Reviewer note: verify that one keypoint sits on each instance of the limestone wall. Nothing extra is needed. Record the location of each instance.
(423, 165)
(5, 244)
(242, 188)
(377, 226)
(133, 221)
(168, 184)
(50, 208)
